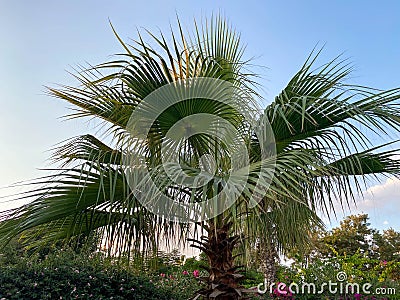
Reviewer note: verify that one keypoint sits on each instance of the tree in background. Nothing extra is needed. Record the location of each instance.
(365, 254)
(353, 235)
(388, 245)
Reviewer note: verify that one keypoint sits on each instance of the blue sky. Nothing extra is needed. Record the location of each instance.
(41, 40)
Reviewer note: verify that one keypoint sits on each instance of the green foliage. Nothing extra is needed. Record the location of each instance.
(194, 263)
(252, 278)
(157, 262)
(68, 275)
(359, 269)
(12, 253)
(363, 253)
(354, 234)
(181, 283)
(88, 275)
(388, 245)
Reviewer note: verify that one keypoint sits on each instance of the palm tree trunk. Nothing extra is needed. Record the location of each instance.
(223, 280)
(269, 258)
(221, 262)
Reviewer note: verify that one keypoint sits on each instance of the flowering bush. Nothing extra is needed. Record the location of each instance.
(356, 268)
(66, 275)
(181, 283)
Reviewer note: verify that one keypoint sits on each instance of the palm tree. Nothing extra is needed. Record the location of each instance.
(263, 173)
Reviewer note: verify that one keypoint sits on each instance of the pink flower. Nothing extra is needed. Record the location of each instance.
(196, 273)
(162, 275)
(185, 272)
(282, 291)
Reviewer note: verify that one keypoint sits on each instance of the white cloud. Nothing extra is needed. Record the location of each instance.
(381, 202)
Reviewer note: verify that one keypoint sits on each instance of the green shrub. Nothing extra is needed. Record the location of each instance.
(357, 269)
(67, 275)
